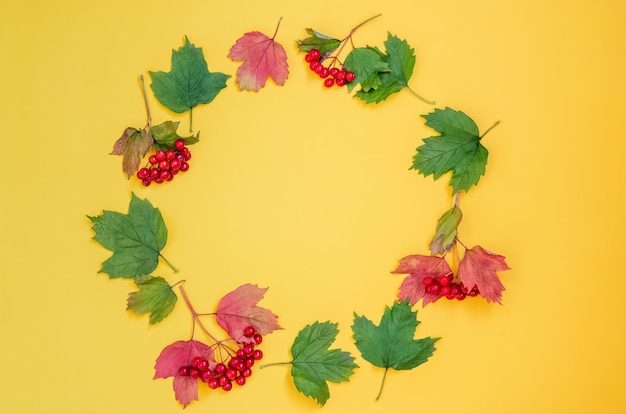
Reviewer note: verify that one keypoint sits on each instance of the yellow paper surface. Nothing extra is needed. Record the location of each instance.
(308, 191)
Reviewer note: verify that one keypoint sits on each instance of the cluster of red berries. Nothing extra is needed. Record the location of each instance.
(445, 286)
(236, 369)
(333, 75)
(164, 165)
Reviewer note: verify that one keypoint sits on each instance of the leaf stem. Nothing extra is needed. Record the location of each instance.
(190, 120)
(194, 314)
(420, 97)
(382, 385)
(275, 363)
(145, 101)
(168, 263)
(277, 26)
(489, 129)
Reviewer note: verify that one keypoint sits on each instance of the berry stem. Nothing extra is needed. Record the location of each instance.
(489, 129)
(418, 96)
(145, 101)
(349, 37)
(382, 385)
(195, 315)
(168, 263)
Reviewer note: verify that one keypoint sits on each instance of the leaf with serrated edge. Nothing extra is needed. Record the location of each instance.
(457, 149)
(391, 343)
(136, 239)
(239, 309)
(418, 267)
(155, 296)
(314, 364)
(366, 64)
(189, 82)
(478, 267)
(132, 145)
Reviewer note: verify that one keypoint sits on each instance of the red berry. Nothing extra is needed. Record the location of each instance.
(175, 164)
(223, 380)
(179, 144)
(187, 156)
(165, 175)
(152, 160)
(203, 364)
(183, 371)
(241, 354)
(206, 375)
(220, 368)
(170, 154)
(249, 362)
(241, 380)
(227, 386)
(248, 349)
(214, 383)
(143, 173)
(194, 373)
(230, 373)
(334, 72)
(444, 290)
(324, 73)
(443, 280)
(432, 288)
(146, 182)
(428, 280)
(249, 331)
(184, 166)
(258, 354)
(460, 296)
(341, 75)
(350, 76)
(314, 65)
(329, 82)
(246, 372)
(158, 180)
(160, 155)
(258, 338)
(195, 360)
(314, 54)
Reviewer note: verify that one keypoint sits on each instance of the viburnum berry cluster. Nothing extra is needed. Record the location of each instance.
(445, 286)
(235, 368)
(164, 165)
(331, 74)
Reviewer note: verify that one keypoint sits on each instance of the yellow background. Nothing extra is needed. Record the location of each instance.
(307, 191)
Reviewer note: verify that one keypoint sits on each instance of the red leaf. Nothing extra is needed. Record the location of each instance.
(177, 355)
(262, 57)
(238, 309)
(478, 267)
(418, 267)
(185, 389)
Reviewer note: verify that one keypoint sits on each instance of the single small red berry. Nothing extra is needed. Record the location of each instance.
(143, 173)
(220, 368)
(203, 364)
(214, 383)
(258, 338)
(258, 354)
(428, 280)
(179, 144)
(194, 373)
(241, 380)
(170, 154)
(324, 73)
(159, 155)
(206, 375)
(230, 373)
(249, 331)
(227, 386)
(183, 371)
(184, 166)
(334, 72)
(329, 82)
(246, 372)
(314, 54)
(350, 76)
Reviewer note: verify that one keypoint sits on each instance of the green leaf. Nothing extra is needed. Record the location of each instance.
(366, 63)
(316, 40)
(457, 149)
(313, 363)
(165, 136)
(155, 296)
(391, 343)
(189, 83)
(446, 231)
(136, 239)
(401, 60)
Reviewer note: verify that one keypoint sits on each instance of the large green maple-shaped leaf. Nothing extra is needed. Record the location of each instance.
(314, 364)
(136, 239)
(189, 83)
(155, 296)
(391, 343)
(401, 61)
(457, 149)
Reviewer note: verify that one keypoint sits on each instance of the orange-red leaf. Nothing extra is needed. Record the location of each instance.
(418, 267)
(478, 267)
(262, 58)
(238, 309)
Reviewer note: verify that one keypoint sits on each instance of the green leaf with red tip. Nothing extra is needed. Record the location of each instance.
(391, 344)
(446, 231)
(132, 146)
(314, 364)
(155, 296)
